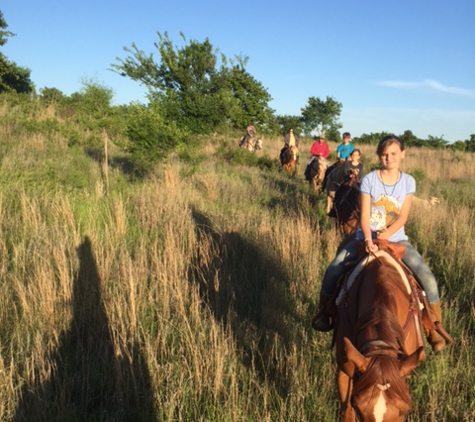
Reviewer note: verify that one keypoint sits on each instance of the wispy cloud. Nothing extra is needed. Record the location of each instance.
(429, 84)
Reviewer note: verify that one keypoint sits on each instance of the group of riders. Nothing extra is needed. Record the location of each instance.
(385, 197)
(347, 166)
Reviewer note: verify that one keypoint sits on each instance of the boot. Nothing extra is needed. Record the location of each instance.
(438, 338)
(323, 319)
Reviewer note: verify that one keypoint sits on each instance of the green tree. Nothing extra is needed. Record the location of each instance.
(151, 137)
(470, 143)
(286, 122)
(51, 95)
(251, 98)
(195, 87)
(4, 34)
(12, 76)
(319, 115)
(372, 138)
(186, 82)
(458, 146)
(411, 140)
(437, 142)
(332, 133)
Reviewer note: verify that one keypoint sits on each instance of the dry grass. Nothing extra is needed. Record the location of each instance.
(188, 297)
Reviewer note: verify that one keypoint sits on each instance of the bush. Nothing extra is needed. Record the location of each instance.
(151, 137)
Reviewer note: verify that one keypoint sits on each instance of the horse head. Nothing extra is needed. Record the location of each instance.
(381, 392)
(288, 159)
(347, 205)
(293, 153)
(378, 339)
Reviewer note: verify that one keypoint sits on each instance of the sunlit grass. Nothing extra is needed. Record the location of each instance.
(187, 296)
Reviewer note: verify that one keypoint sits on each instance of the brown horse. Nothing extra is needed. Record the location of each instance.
(378, 339)
(347, 206)
(288, 159)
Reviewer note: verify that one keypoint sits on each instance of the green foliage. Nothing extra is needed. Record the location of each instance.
(4, 34)
(458, 146)
(470, 143)
(52, 96)
(251, 96)
(370, 139)
(436, 142)
(418, 174)
(92, 104)
(332, 134)
(195, 88)
(12, 76)
(411, 140)
(240, 156)
(286, 122)
(319, 115)
(152, 137)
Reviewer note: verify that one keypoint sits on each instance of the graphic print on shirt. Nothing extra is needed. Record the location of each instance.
(384, 212)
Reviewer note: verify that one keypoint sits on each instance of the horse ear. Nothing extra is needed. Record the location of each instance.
(411, 362)
(354, 356)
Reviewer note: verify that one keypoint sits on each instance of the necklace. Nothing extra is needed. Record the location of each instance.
(384, 185)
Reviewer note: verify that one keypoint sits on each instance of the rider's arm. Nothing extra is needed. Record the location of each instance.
(365, 221)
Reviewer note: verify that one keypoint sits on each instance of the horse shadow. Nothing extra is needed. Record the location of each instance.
(246, 289)
(89, 379)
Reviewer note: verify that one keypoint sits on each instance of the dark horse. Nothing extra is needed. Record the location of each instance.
(378, 337)
(328, 170)
(347, 206)
(315, 173)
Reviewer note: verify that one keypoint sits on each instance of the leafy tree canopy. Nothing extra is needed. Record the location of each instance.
(12, 76)
(195, 87)
(286, 122)
(319, 115)
(470, 143)
(4, 34)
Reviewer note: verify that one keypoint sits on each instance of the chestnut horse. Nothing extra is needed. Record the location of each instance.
(347, 206)
(378, 338)
(288, 159)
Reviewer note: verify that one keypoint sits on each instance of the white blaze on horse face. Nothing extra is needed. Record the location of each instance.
(380, 408)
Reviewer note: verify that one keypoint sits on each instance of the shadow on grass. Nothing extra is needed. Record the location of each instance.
(89, 379)
(247, 290)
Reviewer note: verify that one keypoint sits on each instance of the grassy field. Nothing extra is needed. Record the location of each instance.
(187, 296)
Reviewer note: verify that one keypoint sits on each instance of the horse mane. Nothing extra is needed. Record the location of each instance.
(380, 322)
(381, 319)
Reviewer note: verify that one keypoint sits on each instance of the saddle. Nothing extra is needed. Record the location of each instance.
(421, 310)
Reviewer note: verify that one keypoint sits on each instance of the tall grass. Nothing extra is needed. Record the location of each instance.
(187, 296)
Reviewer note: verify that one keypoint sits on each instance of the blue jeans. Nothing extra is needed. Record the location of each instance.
(411, 258)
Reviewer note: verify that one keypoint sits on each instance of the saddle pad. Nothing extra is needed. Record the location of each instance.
(365, 261)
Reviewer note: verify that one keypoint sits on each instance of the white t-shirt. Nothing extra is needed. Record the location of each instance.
(386, 202)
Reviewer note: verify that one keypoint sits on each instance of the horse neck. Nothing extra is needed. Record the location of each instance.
(377, 317)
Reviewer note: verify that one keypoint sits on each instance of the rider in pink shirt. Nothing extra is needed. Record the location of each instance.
(320, 148)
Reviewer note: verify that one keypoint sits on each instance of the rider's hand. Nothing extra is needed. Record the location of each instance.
(370, 247)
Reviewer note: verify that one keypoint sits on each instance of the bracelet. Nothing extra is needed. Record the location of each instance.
(368, 239)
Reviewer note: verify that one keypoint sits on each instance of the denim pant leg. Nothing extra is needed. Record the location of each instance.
(423, 274)
(337, 268)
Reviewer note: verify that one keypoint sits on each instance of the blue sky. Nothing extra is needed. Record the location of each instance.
(394, 66)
